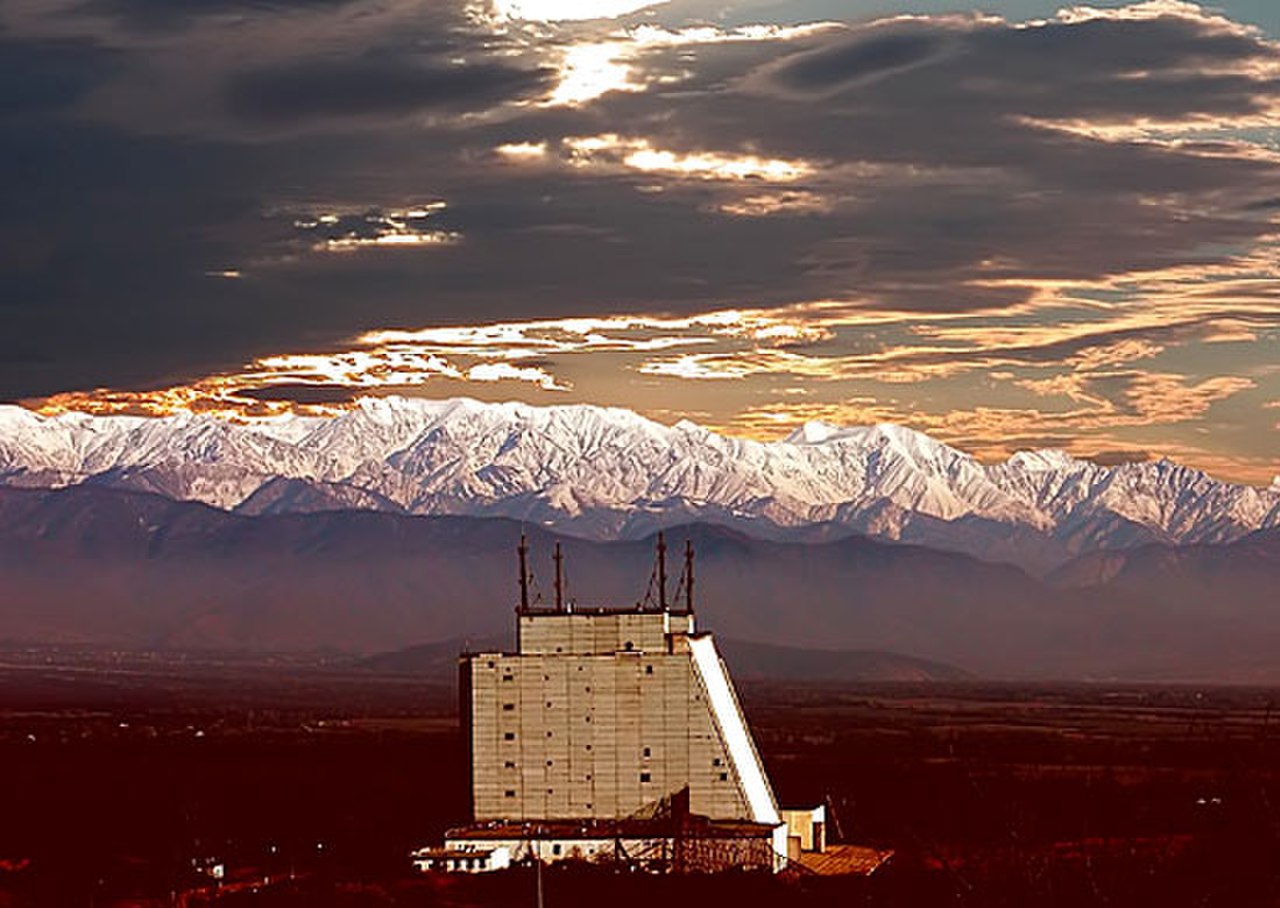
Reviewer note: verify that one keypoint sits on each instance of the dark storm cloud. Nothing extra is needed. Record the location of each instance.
(301, 394)
(865, 57)
(168, 15)
(44, 76)
(971, 180)
(373, 85)
(945, 187)
(1118, 458)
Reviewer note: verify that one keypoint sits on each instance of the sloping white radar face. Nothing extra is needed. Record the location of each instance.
(733, 728)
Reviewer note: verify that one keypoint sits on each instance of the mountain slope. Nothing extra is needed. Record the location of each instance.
(134, 570)
(607, 473)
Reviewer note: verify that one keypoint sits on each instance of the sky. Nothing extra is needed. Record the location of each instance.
(1016, 226)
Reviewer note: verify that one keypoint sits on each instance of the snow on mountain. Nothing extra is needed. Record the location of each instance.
(606, 472)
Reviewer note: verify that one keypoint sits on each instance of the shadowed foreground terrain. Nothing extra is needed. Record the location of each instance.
(311, 782)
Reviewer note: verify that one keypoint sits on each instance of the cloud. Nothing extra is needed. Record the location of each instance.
(168, 15)
(935, 213)
(859, 60)
(49, 75)
(374, 86)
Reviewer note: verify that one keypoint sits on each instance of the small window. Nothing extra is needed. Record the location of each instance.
(548, 734)
(548, 704)
(628, 646)
(724, 777)
(550, 762)
(648, 752)
(489, 663)
(588, 777)
(508, 678)
(555, 849)
(508, 736)
(508, 707)
(645, 777)
(588, 747)
(509, 793)
(715, 762)
(648, 669)
(509, 764)
(551, 791)
(559, 649)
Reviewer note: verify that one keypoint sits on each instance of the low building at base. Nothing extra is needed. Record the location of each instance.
(472, 857)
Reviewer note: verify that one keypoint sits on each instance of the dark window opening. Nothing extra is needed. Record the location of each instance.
(645, 777)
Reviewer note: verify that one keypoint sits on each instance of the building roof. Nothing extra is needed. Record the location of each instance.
(844, 860)
(421, 853)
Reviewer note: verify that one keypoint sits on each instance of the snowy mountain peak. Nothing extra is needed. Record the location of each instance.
(608, 472)
(814, 432)
(1043, 461)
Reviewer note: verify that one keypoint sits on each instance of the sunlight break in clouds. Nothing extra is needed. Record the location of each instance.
(611, 149)
(590, 69)
(566, 10)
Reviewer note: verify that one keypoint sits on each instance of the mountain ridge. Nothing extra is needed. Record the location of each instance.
(606, 473)
(89, 565)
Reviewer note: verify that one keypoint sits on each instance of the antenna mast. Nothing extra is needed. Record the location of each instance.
(688, 576)
(524, 574)
(559, 579)
(662, 571)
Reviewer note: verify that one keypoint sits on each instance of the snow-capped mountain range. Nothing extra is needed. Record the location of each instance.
(606, 473)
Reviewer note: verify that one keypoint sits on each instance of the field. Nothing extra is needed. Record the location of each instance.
(123, 774)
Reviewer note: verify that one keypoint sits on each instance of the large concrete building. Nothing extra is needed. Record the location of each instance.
(602, 714)
(611, 733)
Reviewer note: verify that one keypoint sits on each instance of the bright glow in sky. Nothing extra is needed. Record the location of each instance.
(568, 10)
